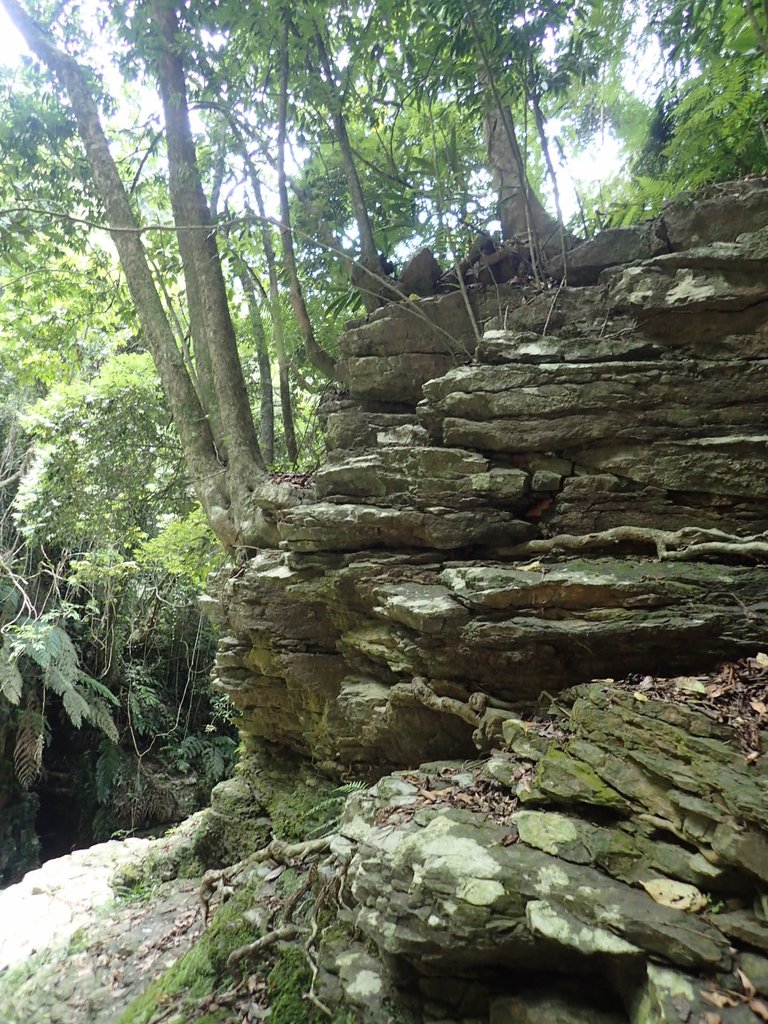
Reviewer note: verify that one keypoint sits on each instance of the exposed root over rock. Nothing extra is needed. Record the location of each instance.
(220, 880)
(686, 545)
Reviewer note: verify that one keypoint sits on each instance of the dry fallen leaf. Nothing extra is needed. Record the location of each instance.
(720, 998)
(712, 1018)
(759, 707)
(679, 895)
(759, 1008)
(761, 659)
(693, 684)
(433, 795)
(640, 696)
(746, 984)
(531, 567)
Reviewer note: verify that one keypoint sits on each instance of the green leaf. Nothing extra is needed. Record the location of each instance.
(76, 706)
(11, 681)
(98, 688)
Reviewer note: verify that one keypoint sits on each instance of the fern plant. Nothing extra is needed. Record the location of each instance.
(212, 757)
(28, 749)
(38, 658)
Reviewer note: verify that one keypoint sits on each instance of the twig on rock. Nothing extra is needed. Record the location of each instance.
(220, 879)
(309, 945)
(293, 899)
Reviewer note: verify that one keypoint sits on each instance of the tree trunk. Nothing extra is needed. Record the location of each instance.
(368, 275)
(200, 257)
(266, 398)
(278, 324)
(233, 496)
(315, 353)
(519, 207)
(286, 406)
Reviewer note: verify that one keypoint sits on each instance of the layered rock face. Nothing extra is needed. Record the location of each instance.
(607, 865)
(529, 494)
(525, 489)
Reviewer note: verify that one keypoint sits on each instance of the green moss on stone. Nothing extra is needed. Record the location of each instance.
(570, 781)
(303, 813)
(202, 969)
(287, 985)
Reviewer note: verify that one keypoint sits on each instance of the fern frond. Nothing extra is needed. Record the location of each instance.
(43, 643)
(98, 714)
(98, 688)
(108, 767)
(57, 680)
(11, 681)
(28, 751)
(191, 746)
(75, 705)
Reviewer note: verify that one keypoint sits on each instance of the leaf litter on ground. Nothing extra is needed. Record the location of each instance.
(736, 695)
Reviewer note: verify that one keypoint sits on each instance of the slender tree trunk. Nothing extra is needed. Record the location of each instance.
(286, 403)
(315, 353)
(250, 283)
(368, 276)
(200, 256)
(566, 240)
(266, 397)
(278, 323)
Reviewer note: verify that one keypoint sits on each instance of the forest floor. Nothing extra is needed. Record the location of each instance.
(71, 950)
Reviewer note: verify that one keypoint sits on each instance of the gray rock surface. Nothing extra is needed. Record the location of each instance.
(73, 952)
(603, 844)
(553, 488)
(49, 904)
(582, 494)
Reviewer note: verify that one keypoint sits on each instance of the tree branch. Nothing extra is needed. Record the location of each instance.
(762, 39)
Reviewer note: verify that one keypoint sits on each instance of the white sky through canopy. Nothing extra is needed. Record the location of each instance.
(598, 162)
(12, 46)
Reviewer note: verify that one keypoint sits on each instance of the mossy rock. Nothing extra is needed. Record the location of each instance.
(305, 811)
(287, 986)
(201, 970)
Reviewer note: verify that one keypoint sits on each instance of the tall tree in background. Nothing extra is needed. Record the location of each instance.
(208, 402)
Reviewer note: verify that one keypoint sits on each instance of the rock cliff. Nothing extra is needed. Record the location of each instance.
(524, 490)
(535, 505)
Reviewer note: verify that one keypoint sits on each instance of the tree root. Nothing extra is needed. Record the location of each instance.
(485, 714)
(685, 545)
(309, 945)
(423, 694)
(289, 931)
(286, 931)
(219, 880)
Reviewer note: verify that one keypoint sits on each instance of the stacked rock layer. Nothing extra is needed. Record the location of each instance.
(529, 494)
(524, 489)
